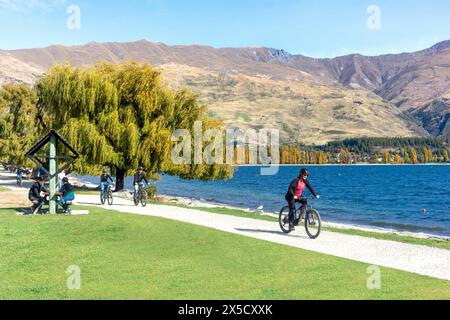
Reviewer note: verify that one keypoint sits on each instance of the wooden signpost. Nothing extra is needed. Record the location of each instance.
(49, 162)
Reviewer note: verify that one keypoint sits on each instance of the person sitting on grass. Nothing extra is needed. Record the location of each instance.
(66, 195)
(35, 195)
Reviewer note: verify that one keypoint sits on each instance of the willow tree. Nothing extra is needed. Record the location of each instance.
(122, 116)
(18, 123)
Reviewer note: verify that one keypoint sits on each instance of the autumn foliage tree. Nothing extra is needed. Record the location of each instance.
(413, 155)
(122, 116)
(445, 155)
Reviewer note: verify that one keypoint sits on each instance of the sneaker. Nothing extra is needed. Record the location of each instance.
(291, 227)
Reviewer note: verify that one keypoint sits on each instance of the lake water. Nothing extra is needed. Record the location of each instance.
(405, 198)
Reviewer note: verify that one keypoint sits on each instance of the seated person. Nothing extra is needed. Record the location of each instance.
(35, 196)
(66, 195)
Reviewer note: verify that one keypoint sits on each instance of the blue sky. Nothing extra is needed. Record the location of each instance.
(315, 28)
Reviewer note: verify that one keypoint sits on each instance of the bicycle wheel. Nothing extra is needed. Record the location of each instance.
(283, 220)
(144, 199)
(102, 199)
(110, 198)
(313, 223)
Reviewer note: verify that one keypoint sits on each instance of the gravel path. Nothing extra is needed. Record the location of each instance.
(418, 259)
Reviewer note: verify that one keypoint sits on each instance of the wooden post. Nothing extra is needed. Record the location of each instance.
(53, 174)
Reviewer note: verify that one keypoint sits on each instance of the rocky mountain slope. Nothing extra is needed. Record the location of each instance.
(311, 100)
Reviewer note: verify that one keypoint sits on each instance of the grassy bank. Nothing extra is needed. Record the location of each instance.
(436, 243)
(135, 257)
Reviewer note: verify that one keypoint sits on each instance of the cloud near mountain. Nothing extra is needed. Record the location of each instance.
(309, 100)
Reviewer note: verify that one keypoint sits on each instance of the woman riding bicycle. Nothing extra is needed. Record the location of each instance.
(294, 195)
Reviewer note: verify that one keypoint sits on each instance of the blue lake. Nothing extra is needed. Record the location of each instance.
(392, 197)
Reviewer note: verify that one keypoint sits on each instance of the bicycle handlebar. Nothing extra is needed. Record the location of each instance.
(310, 198)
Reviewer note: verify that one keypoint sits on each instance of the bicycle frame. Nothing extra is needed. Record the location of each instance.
(141, 191)
(306, 212)
(307, 205)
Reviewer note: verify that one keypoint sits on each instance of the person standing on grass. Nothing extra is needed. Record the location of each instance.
(20, 173)
(35, 195)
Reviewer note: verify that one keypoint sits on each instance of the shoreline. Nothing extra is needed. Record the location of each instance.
(344, 165)
(202, 203)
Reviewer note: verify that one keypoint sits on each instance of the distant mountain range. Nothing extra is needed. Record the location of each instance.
(310, 100)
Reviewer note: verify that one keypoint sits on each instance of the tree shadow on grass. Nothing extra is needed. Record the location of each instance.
(26, 211)
(18, 210)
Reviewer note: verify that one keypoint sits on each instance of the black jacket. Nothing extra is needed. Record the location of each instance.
(35, 191)
(66, 189)
(138, 177)
(105, 178)
(293, 188)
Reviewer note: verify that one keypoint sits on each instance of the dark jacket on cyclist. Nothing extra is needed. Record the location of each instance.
(139, 177)
(104, 178)
(293, 189)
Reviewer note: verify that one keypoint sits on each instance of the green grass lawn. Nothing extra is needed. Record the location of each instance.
(136, 257)
(437, 243)
(2, 188)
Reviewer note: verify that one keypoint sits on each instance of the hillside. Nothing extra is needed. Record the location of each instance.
(310, 100)
(306, 112)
